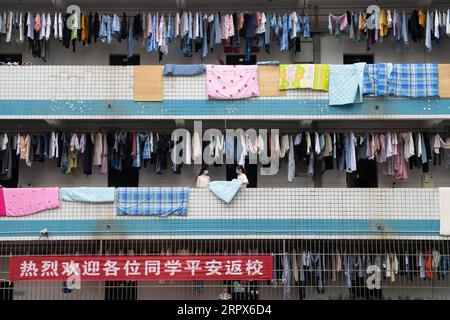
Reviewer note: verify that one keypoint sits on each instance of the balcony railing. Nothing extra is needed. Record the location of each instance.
(266, 213)
(106, 92)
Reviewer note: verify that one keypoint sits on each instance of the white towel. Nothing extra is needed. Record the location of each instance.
(444, 209)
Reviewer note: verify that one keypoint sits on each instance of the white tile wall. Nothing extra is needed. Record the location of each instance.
(280, 203)
(66, 82)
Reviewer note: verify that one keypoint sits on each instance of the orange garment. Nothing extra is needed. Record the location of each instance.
(383, 24)
(84, 28)
(422, 18)
(360, 23)
(429, 273)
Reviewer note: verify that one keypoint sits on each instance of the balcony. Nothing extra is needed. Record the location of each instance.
(107, 92)
(266, 213)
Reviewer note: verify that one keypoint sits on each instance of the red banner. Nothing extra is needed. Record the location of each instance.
(104, 268)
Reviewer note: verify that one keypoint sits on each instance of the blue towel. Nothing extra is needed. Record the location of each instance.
(225, 190)
(183, 69)
(87, 194)
(346, 83)
(268, 63)
(152, 201)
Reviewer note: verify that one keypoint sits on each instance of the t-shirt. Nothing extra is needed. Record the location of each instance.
(30, 26)
(243, 179)
(203, 181)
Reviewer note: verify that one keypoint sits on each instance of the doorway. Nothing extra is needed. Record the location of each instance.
(239, 59)
(123, 60)
(355, 58)
(365, 176)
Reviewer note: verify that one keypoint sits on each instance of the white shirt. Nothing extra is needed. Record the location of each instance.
(243, 179)
(48, 29)
(55, 26)
(9, 26)
(20, 39)
(203, 181)
(43, 26)
(30, 24)
(177, 25)
(60, 26)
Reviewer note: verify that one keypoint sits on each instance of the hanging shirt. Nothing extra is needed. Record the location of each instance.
(405, 30)
(48, 28)
(227, 27)
(9, 26)
(383, 23)
(98, 148)
(396, 25)
(177, 25)
(30, 26)
(350, 155)
(20, 39)
(43, 27)
(428, 45)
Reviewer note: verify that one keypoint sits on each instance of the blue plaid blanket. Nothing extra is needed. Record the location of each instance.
(401, 80)
(376, 79)
(152, 201)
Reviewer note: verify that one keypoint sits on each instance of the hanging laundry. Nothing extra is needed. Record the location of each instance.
(346, 84)
(231, 82)
(312, 76)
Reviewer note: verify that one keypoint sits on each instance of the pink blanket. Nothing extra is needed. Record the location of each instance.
(17, 202)
(231, 82)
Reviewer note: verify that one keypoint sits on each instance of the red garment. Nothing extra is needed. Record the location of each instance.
(429, 273)
(133, 144)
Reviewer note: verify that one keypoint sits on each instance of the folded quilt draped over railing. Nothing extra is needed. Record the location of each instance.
(225, 190)
(231, 82)
(88, 194)
(17, 202)
(401, 80)
(159, 201)
(304, 76)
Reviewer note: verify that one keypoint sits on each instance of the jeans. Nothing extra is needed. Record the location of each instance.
(316, 267)
(248, 48)
(349, 262)
(287, 275)
(130, 42)
(443, 267)
(186, 46)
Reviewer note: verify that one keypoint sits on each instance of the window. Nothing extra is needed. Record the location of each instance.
(5, 58)
(365, 176)
(123, 60)
(354, 58)
(128, 177)
(239, 59)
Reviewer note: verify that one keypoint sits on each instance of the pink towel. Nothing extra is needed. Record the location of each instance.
(231, 82)
(25, 201)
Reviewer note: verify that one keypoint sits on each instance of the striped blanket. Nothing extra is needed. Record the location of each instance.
(159, 201)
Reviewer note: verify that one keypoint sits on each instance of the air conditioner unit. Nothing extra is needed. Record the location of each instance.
(306, 54)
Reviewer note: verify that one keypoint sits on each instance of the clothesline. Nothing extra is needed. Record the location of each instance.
(223, 130)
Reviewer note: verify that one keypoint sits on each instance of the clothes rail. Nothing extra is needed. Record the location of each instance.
(191, 130)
